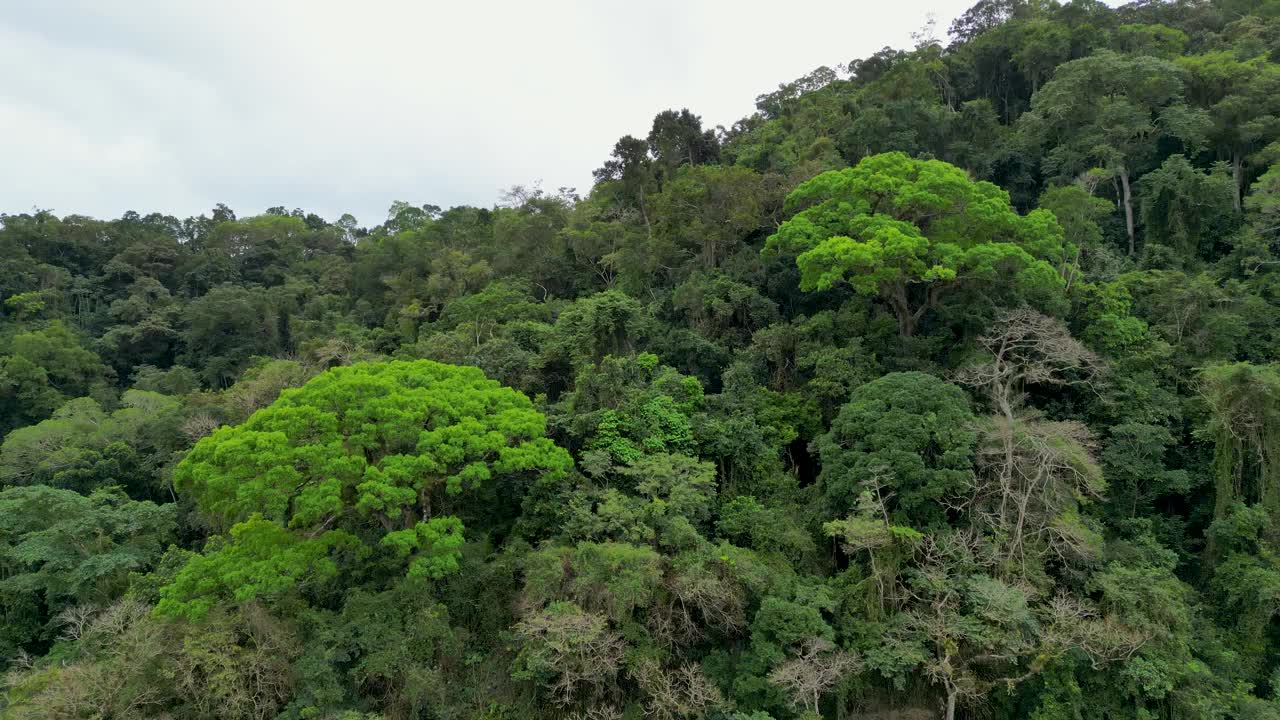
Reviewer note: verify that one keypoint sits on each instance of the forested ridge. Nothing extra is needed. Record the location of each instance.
(943, 385)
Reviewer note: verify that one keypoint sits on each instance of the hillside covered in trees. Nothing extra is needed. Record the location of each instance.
(944, 385)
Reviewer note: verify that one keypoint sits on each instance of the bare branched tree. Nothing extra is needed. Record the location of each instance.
(75, 619)
(699, 598)
(199, 425)
(596, 712)
(675, 694)
(817, 668)
(1033, 472)
(984, 633)
(576, 648)
(1028, 348)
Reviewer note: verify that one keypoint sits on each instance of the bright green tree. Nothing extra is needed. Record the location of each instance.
(371, 457)
(910, 231)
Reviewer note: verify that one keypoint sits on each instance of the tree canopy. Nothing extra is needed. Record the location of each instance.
(944, 384)
(910, 231)
(398, 450)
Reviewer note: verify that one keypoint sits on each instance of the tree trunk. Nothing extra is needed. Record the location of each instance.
(1128, 210)
(1237, 173)
(1003, 401)
(896, 295)
(951, 705)
(645, 214)
(906, 325)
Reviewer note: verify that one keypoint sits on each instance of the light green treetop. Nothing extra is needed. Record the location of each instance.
(910, 230)
(374, 450)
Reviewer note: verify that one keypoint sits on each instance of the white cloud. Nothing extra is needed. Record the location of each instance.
(343, 107)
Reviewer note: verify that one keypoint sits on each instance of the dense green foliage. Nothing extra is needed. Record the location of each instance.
(947, 384)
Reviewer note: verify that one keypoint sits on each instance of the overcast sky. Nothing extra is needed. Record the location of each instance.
(175, 105)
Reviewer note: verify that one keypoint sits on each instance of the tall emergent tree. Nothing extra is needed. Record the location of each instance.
(1110, 111)
(912, 230)
(371, 458)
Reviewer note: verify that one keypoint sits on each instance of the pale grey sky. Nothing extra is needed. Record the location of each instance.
(175, 105)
